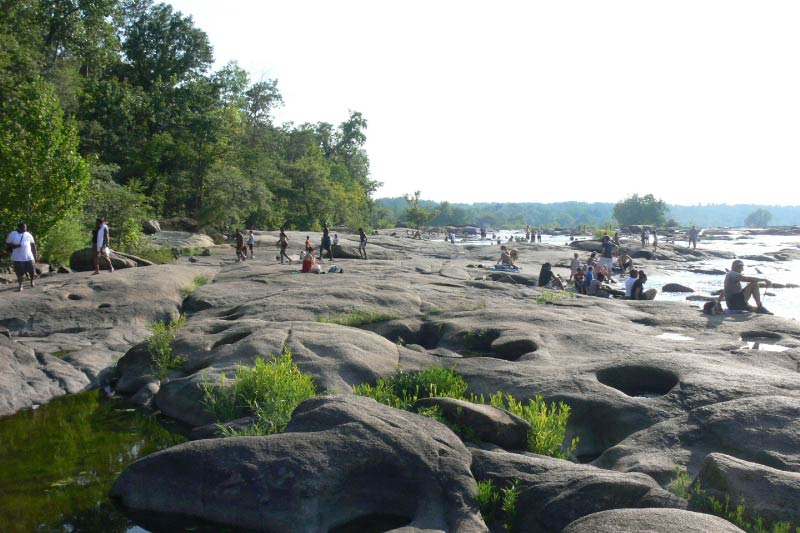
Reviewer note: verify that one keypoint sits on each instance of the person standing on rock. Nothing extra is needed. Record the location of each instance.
(574, 265)
(693, 234)
(241, 252)
(736, 296)
(362, 245)
(251, 241)
(309, 248)
(283, 242)
(23, 253)
(642, 237)
(607, 256)
(100, 244)
(326, 243)
(655, 239)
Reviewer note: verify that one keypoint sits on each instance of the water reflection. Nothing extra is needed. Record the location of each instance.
(60, 460)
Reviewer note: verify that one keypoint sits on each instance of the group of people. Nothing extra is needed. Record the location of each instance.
(242, 248)
(533, 234)
(309, 259)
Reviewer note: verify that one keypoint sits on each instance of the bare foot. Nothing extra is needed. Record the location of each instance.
(19, 289)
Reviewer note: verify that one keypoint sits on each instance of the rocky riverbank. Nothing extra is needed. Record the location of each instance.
(652, 385)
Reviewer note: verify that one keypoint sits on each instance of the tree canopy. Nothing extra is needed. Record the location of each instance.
(641, 210)
(119, 96)
(758, 218)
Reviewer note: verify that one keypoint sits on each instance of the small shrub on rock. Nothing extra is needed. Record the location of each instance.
(269, 390)
(162, 335)
(356, 318)
(404, 388)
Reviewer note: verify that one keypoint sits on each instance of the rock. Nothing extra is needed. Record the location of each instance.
(487, 423)
(650, 521)
(213, 431)
(83, 261)
(145, 395)
(64, 270)
(737, 427)
(643, 254)
(769, 493)
(554, 492)
(151, 227)
(206, 252)
(192, 259)
(676, 287)
(409, 471)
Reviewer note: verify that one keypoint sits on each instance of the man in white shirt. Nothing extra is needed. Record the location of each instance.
(633, 275)
(100, 236)
(23, 253)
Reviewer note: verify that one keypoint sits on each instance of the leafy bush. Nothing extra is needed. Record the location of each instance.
(270, 391)
(162, 335)
(356, 318)
(404, 388)
(548, 423)
(66, 236)
(488, 500)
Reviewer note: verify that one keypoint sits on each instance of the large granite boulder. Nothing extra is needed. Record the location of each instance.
(342, 461)
(772, 494)
(83, 261)
(554, 492)
(650, 521)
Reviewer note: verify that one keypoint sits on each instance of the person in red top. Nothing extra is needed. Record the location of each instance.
(309, 265)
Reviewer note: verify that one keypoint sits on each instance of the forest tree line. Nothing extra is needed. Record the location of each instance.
(389, 212)
(111, 108)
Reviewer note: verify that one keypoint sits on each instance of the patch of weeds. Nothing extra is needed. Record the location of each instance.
(404, 388)
(191, 250)
(62, 353)
(548, 296)
(474, 307)
(356, 318)
(492, 500)
(162, 335)
(488, 500)
(480, 340)
(699, 500)
(269, 390)
(155, 254)
(548, 423)
(197, 282)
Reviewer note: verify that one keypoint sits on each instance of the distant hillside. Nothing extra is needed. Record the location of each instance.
(570, 214)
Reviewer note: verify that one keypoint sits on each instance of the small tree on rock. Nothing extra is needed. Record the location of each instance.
(758, 218)
(641, 210)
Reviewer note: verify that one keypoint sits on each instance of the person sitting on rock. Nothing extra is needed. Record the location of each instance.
(633, 275)
(624, 261)
(549, 279)
(580, 278)
(592, 261)
(638, 291)
(309, 264)
(505, 257)
(736, 296)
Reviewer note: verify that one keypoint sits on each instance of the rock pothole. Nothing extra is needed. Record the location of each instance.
(231, 339)
(638, 380)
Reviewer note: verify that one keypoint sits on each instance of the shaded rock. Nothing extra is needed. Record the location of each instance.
(151, 227)
(554, 492)
(643, 254)
(206, 252)
(64, 270)
(650, 521)
(308, 479)
(83, 261)
(676, 287)
(489, 424)
(145, 395)
(214, 431)
(769, 493)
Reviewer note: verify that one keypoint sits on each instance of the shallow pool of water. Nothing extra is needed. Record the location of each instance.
(60, 460)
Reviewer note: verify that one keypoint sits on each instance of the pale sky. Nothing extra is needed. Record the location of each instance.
(693, 101)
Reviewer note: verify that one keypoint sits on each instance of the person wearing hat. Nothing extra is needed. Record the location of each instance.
(736, 296)
(23, 253)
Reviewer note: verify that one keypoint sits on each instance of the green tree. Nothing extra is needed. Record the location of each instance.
(417, 215)
(758, 218)
(43, 177)
(640, 210)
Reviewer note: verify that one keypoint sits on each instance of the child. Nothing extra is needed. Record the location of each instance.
(309, 248)
(574, 266)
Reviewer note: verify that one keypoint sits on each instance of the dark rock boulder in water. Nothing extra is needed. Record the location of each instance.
(344, 461)
(676, 287)
(650, 521)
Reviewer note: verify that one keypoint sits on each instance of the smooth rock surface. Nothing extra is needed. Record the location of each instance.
(650, 521)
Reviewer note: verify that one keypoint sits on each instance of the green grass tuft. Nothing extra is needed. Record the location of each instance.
(356, 318)
(404, 388)
(197, 282)
(162, 335)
